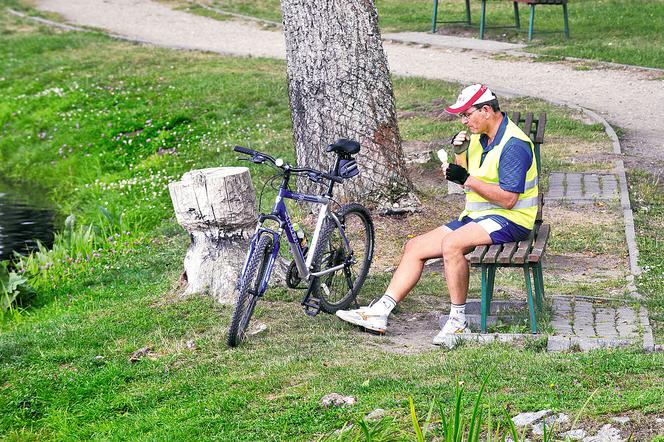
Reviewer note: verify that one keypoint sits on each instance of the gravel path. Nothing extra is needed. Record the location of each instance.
(629, 98)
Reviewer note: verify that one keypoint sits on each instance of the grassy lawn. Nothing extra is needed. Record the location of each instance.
(95, 122)
(621, 31)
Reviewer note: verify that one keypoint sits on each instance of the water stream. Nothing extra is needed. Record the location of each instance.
(24, 220)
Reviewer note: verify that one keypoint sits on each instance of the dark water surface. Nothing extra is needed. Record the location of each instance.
(24, 220)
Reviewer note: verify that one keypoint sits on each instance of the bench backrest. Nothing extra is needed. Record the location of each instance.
(543, 2)
(534, 128)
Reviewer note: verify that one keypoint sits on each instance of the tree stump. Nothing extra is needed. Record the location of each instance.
(217, 206)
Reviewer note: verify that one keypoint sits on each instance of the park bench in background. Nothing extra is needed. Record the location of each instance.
(517, 21)
(531, 22)
(526, 254)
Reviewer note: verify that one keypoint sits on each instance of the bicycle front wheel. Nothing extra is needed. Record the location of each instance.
(338, 289)
(248, 292)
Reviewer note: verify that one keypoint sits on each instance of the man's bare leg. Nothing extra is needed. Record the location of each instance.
(416, 252)
(455, 245)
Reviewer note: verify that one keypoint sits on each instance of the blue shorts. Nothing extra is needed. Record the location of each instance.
(499, 228)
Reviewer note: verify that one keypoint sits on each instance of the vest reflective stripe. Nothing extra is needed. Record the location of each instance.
(525, 210)
(521, 204)
(532, 183)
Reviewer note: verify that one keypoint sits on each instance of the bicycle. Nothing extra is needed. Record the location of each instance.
(337, 261)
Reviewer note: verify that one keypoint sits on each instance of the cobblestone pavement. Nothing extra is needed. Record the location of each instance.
(582, 187)
(591, 323)
(579, 323)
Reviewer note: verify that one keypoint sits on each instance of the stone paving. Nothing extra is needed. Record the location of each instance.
(582, 187)
(578, 323)
(594, 323)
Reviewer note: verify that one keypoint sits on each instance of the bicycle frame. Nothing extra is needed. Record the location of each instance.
(281, 216)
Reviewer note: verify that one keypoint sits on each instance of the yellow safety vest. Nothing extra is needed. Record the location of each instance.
(525, 210)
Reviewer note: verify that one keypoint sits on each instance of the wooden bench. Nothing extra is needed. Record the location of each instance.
(526, 254)
(532, 4)
(517, 21)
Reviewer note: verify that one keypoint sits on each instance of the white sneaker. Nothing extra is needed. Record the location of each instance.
(364, 317)
(453, 326)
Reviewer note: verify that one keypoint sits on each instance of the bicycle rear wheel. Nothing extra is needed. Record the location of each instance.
(248, 292)
(338, 289)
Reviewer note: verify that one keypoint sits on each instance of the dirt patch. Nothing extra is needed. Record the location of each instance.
(641, 154)
(577, 267)
(641, 427)
(409, 333)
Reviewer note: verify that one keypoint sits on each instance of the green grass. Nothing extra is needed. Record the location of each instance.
(648, 207)
(621, 31)
(64, 364)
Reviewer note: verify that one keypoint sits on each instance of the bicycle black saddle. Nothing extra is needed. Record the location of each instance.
(344, 146)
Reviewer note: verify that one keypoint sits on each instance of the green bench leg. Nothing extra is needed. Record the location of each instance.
(532, 22)
(517, 19)
(531, 306)
(468, 12)
(434, 16)
(482, 18)
(488, 278)
(539, 279)
(485, 300)
(566, 21)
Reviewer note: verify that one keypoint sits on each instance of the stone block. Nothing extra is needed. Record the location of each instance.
(591, 185)
(523, 419)
(558, 343)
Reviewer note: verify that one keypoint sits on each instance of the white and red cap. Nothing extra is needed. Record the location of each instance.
(476, 93)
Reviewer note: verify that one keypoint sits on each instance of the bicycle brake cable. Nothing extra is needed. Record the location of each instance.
(268, 181)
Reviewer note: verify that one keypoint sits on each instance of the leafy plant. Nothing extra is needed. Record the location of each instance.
(14, 289)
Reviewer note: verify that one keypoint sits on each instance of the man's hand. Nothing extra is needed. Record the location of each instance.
(456, 174)
(460, 142)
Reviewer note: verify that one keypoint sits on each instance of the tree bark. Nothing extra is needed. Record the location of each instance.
(339, 87)
(217, 206)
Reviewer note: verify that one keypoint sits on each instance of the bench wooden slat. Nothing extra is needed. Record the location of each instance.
(540, 205)
(522, 250)
(475, 257)
(516, 116)
(528, 125)
(505, 256)
(540, 243)
(542, 2)
(541, 125)
(492, 253)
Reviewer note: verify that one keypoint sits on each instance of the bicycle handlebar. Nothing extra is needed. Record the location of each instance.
(285, 166)
(244, 150)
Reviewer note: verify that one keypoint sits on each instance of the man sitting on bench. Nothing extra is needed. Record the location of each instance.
(499, 175)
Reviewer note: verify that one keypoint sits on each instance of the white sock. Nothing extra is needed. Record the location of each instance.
(384, 305)
(458, 311)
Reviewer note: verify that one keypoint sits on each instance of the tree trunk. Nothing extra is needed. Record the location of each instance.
(217, 206)
(339, 87)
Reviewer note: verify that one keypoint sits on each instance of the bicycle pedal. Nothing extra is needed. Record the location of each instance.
(311, 306)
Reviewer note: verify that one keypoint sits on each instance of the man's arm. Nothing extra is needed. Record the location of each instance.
(515, 160)
(492, 192)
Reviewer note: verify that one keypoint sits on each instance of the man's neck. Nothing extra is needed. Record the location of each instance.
(494, 124)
